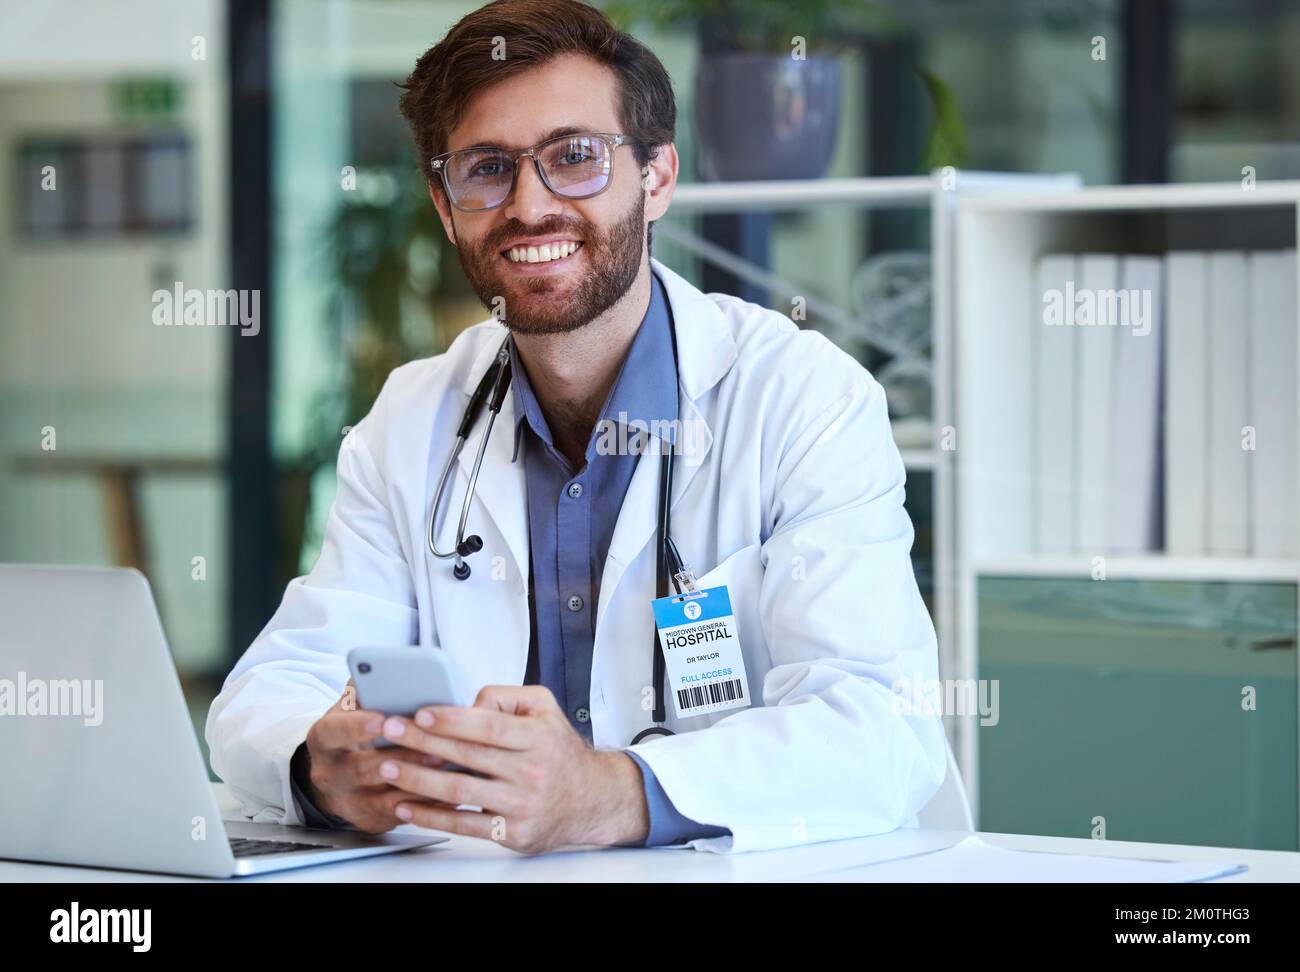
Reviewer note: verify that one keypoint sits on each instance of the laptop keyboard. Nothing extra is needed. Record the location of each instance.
(247, 847)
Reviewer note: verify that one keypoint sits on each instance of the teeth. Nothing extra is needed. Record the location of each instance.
(542, 254)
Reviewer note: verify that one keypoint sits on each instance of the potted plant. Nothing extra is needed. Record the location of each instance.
(767, 86)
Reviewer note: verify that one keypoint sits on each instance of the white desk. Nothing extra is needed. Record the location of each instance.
(464, 859)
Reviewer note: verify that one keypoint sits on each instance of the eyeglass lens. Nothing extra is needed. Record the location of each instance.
(573, 166)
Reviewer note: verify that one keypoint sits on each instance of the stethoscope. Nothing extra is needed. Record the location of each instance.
(492, 388)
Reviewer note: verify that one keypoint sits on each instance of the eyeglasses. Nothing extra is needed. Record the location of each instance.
(571, 166)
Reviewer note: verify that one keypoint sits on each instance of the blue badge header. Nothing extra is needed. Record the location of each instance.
(679, 609)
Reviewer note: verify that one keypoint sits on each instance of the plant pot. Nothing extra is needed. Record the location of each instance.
(766, 116)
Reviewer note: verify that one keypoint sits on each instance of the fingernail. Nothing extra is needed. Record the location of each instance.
(403, 812)
(373, 725)
(393, 728)
(424, 718)
(388, 769)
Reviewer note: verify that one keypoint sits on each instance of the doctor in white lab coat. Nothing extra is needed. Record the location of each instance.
(792, 496)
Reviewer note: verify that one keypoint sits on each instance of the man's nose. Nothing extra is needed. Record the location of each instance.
(531, 200)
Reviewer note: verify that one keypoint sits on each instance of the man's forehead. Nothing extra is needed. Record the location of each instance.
(565, 95)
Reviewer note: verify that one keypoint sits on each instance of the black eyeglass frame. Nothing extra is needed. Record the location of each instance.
(612, 139)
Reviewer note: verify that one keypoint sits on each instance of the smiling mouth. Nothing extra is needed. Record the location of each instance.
(546, 253)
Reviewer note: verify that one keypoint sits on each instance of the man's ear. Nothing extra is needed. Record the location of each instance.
(658, 179)
(444, 213)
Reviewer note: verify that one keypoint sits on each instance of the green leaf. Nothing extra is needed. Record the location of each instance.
(947, 142)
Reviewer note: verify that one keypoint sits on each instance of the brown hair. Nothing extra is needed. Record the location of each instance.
(448, 75)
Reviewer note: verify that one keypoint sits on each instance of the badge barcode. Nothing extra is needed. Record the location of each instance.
(711, 694)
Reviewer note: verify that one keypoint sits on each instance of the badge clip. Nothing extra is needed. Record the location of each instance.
(683, 577)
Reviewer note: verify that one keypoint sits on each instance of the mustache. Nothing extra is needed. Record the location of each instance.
(516, 229)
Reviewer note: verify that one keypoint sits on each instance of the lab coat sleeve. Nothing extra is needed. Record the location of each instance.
(359, 593)
(829, 754)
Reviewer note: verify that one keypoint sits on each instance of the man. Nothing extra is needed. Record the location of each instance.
(789, 493)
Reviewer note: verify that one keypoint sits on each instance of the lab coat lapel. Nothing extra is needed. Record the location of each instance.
(705, 352)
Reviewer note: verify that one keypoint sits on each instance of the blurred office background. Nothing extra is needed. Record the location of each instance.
(256, 144)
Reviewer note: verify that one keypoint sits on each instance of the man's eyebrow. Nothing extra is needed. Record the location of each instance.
(553, 133)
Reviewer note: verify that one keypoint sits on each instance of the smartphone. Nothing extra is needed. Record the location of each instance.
(400, 680)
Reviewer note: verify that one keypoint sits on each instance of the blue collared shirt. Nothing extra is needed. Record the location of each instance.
(571, 518)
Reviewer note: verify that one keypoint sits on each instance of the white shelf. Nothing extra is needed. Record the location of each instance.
(880, 191)
(998, 243)
(781, 194)
(1152, 567)
(1138, 198)
(998, 239)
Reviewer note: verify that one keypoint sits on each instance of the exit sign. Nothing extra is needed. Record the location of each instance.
(145, 99)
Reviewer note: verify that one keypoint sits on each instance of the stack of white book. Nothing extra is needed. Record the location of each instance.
(1165, 413)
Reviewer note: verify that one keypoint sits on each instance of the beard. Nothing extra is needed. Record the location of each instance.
(542, 305)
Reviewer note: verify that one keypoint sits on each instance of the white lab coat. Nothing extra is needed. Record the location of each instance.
(794, 498)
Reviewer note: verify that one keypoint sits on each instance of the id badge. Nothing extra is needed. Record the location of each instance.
(706, 671)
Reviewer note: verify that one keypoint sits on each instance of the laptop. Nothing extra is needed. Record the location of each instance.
(102, 765)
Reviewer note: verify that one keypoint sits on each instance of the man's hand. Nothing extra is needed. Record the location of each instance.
(344, 777)
(540, 785)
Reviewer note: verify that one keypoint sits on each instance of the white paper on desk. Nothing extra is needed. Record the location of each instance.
(972, 861)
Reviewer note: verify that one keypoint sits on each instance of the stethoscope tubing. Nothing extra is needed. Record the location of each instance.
(497, 380)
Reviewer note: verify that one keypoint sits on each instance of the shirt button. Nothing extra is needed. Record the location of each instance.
(583, 715)
(575, 603)
(575, 490)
